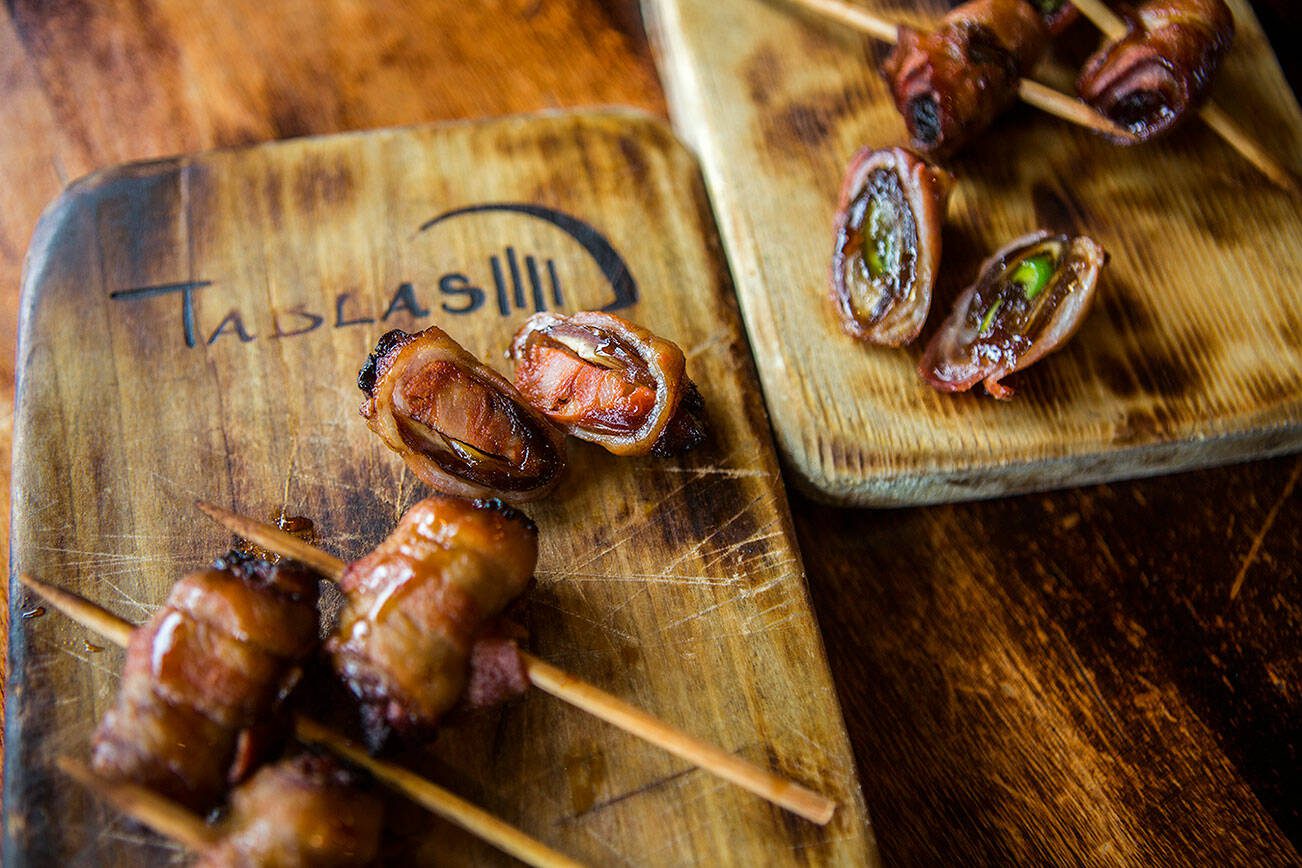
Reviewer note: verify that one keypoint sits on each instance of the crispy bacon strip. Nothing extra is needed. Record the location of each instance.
(1150, 80)
(418, 605)
(204, 675)
(888, 244)
(304, 812)
(950, 84)
(609, 381)
(459, 425)
(1029, 299)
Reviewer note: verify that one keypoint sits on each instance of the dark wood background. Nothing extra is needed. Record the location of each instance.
(1103, 675)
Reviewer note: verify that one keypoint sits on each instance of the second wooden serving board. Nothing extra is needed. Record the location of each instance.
(1192, 355)
(192, 328)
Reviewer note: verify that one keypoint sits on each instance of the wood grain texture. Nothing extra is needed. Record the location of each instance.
(1103, 676)
(86, 85)
(675, 584)
(1193, 355)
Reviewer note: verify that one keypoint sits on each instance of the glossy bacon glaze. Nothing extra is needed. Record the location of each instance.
(203, 674)
(305, 812)
(608, 381)
(909, 198)
(461, 427)
(949, 84)
(1150, 80)
(418, 604)
(963, 352)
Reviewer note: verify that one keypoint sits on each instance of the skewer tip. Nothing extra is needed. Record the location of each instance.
(274, 539)
(145, 806)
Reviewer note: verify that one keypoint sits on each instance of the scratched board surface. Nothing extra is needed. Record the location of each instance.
(192, 328)
(1192, 355)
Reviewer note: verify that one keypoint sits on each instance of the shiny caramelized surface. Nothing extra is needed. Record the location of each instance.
(417, 602)
(461, 427)
(212, 661)
(304, 812)
(572, 390)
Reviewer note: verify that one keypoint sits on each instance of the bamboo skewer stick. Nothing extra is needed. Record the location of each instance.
(787, 794)
(1114, 28)
(1031, 92)
(629, 718)
(158, 810)
(434, 798)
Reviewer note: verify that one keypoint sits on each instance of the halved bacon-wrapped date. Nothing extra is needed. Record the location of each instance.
(204, 675)
(1029, 299)
(1149, 81)
(303, 811)
(420, 626)
(610, 382)
(461, 427)
(949, 84)
(888, 244)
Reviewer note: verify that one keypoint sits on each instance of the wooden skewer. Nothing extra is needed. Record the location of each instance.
(173, 819)
(83, 611)
(629, 718)
(157, 812)
(787, 794)
(436, 799)
(1031, 92)
(1114, 28)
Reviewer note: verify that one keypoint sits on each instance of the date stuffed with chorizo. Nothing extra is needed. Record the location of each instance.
(204, 675)
(461, 427)
(1029, 299)
(1150, 80)
(887, 253)
(420, 633)
(951, 83)
(305, 812)
(609, 381)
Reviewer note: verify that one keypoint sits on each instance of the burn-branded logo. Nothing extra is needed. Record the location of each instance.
(504, 282)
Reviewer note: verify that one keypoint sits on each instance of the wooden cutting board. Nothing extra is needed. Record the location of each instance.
(1192, 356)
(192, 328)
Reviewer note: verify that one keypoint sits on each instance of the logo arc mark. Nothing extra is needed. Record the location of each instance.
(612, 265)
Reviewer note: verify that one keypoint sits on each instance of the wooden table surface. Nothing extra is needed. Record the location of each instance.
(1104, 675)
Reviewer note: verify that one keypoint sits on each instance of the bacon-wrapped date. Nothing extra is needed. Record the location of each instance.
(887, 251)
(461, 427)
(304, 811)
(949, 84)
(1149, 81)
(210, 665)
(1029, 299)
(421, 611)
(609, 381)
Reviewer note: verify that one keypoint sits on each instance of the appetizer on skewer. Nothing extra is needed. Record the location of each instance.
(887, 253)
(168, 817)
(591, 699)
(421, 615)
(609, 381)
(1028, 300)
(303, 811)
(203, 679)
(460, 426)
(952, 82)
(1150, 80)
